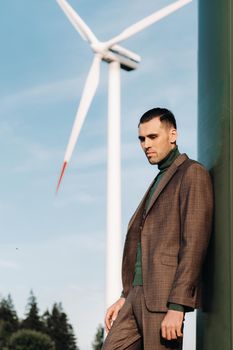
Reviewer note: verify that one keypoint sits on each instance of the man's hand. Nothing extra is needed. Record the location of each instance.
(172, 324)
(112, 313)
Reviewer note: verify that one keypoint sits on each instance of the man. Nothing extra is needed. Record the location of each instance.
(165, 245)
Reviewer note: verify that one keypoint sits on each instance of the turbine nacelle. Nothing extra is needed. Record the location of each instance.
(128, 60)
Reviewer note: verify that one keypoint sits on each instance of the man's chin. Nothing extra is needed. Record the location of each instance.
(152, 161)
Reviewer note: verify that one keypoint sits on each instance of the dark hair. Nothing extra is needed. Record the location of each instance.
(164, 115)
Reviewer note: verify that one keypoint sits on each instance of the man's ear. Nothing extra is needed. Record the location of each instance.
(173, 135)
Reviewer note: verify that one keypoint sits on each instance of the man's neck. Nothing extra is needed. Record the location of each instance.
(168, 159)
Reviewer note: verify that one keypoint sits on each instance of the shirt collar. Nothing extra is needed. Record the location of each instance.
(168, 159)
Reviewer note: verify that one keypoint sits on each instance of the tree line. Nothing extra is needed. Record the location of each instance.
(49, 331)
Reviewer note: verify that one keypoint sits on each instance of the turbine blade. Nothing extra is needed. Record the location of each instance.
(146, 22)
(61, 175)
(89, 90)
(83, 29)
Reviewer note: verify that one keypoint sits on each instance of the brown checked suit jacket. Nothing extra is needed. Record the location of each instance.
(175, 233)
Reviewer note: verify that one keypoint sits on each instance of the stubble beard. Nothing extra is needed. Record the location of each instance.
(152, 160)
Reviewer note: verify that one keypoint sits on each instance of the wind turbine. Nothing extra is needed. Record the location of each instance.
(118, 57)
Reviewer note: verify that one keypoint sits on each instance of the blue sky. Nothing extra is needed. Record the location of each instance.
(56, 244)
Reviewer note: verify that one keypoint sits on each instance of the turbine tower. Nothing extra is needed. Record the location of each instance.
(117, 57)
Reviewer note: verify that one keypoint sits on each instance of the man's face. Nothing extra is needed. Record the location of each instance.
(155, 139)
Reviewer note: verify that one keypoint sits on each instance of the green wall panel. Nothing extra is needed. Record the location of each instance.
(215, 150)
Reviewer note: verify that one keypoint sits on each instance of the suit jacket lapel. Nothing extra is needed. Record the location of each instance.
(140, 206)
(166, 178)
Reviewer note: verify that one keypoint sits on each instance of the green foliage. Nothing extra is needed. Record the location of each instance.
(99, 338)
(30, 340)
(52, 331)
(32, 320)
(59, 329)
(8, 321)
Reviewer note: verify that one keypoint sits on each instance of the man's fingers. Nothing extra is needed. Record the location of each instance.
(114, 316)
(112, 313)
(166, 330)
(170, 332)
(108, 318)
(172, 325)
(173, 333)
(163, 330)
(111, 316)
(107, 326)
(179, 332)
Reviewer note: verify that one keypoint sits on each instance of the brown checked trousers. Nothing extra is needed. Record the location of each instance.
(133, 320)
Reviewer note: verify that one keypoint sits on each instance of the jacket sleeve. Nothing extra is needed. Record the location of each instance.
(179, 307)
(196, 214)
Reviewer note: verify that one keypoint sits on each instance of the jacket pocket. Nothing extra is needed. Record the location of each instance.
(170, 260)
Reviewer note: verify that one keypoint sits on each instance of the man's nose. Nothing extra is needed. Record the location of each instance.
(147, 143)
